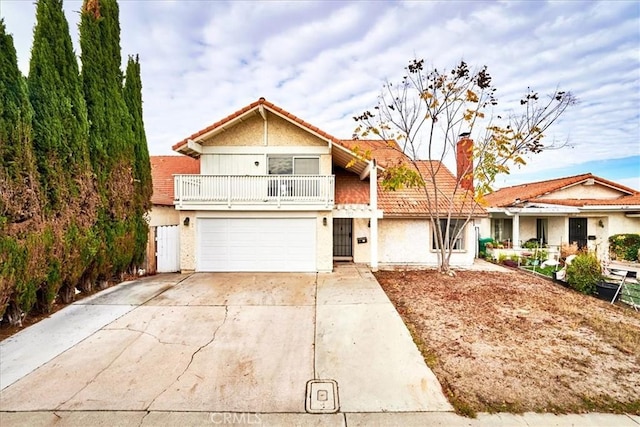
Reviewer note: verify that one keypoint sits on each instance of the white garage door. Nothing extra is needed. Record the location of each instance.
(256, 244)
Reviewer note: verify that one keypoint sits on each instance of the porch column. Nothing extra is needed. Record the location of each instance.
(515, 232)
(373, 206)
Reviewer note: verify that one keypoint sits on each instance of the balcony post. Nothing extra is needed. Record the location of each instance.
(178, 185)
(229, 191)
(279, 189)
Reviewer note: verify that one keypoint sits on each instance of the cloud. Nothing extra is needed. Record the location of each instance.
(326, 61)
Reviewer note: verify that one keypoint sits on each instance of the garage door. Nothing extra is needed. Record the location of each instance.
(256, 244)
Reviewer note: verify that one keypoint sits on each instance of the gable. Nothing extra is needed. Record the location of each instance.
(585, 188)
(589, 189)
(250, 131)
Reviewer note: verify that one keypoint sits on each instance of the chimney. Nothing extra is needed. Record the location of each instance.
(464, 161)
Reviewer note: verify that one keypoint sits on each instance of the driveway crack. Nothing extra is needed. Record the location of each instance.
(125, 348)
(193, 355)
(144, 332)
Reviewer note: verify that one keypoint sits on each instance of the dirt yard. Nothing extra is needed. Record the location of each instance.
(513, 342)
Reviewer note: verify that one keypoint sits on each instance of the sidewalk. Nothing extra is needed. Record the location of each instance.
(405, 419)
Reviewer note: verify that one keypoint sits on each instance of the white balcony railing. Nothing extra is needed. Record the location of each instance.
(254, 189)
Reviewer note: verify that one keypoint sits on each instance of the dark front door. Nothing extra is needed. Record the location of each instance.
(578, 231)
(342, 237)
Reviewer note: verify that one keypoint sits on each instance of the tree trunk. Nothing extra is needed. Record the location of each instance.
(67, 294)
(14, 314)
(85, 285)
(102, 284)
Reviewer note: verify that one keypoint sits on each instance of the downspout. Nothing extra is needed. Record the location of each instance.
(373, 206)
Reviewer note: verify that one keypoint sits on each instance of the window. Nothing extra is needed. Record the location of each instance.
(502, 229)
(455, 226)
(542, 229)
(293, 186)
(289, 165)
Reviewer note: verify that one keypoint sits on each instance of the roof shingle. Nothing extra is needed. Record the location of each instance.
(536, 192)
(444, 195)
(162, 170)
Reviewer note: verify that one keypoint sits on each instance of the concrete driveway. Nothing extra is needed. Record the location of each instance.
(188, 349)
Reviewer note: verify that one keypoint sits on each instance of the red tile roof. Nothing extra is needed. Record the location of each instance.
(536, 192)
(162, 170)
(414, 202)
(386, 153)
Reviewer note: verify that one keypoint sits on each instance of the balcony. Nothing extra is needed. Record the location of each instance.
(253, 192)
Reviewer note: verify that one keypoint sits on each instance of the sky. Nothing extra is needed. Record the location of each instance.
(326, 61)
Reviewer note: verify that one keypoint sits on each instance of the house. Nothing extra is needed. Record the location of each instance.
(275, 193)
(585, 209)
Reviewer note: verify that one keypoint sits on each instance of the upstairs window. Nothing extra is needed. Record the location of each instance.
(290, 165)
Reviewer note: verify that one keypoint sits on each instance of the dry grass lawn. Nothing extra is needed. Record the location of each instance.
(513, 342)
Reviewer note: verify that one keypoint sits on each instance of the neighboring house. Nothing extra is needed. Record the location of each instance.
(275, 193)
(584, 209)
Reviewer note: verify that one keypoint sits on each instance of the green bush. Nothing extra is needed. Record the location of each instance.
(625, 246)
(583, 273)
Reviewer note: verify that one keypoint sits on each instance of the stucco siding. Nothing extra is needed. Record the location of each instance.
(248, 132)
(582, 191)
(324, 243)
(408, 241)
(283, 132)
(188, 242)
(163, 215)
(527, 228)
(404, 241)
(361, 251)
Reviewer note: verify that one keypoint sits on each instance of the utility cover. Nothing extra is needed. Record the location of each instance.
(322, 397)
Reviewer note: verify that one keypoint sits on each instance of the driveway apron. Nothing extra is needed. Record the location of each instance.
(221, 342)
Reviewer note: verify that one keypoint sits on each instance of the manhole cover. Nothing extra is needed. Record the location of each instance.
(322, 397)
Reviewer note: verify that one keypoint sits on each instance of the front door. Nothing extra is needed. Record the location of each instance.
(342, 237)
(578, 231)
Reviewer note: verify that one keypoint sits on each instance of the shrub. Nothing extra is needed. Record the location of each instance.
(568, 249)
(510, 263)
(624, 246)
(583, 273)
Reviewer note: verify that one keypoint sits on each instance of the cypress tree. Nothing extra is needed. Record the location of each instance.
(142, 166)
(60, 124)
(20, 208)
(61, 132)
(110, 134)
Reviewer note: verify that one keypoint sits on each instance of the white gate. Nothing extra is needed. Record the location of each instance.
(167, 249)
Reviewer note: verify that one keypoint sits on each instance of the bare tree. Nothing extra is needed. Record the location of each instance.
(431, 113)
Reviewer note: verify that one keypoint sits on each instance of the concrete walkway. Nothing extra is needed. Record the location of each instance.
(231, 349)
